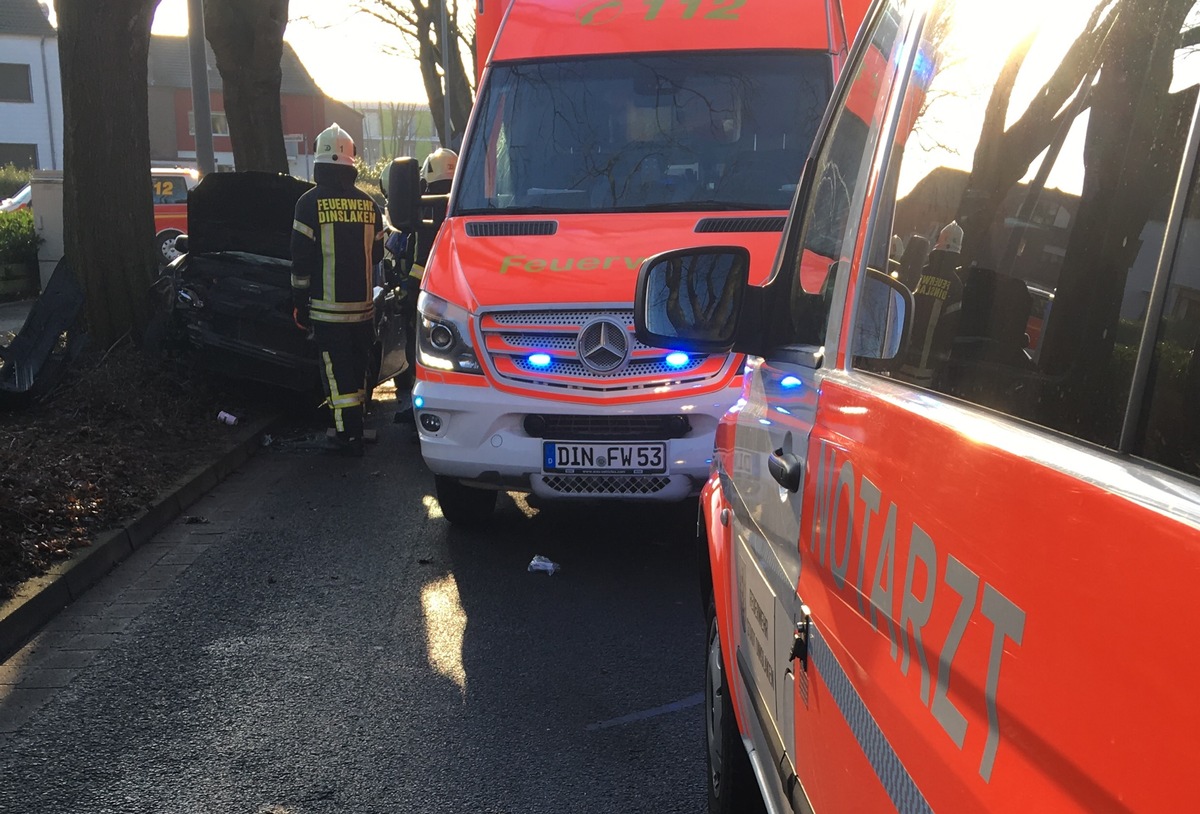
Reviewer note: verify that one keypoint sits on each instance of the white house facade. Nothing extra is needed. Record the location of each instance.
(31, 125)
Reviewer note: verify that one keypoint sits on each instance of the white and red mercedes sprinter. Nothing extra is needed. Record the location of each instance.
(605, 131)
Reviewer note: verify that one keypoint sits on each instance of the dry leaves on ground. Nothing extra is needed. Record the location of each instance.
(114, 433)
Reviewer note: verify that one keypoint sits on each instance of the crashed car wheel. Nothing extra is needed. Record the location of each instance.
(464, 505)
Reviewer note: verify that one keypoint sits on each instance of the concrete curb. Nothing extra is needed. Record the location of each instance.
(41, 598)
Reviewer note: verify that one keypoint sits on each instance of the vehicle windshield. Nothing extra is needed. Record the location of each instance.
(675, 132)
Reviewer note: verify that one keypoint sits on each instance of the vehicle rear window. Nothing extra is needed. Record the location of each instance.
(684, 131)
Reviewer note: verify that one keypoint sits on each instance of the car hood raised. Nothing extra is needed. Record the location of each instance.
(243, 212)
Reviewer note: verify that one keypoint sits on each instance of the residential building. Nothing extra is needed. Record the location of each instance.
(306, 109)
(395, 129)
(31, 126)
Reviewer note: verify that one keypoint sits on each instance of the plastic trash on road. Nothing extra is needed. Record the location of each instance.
(227, 418)
(540, 563)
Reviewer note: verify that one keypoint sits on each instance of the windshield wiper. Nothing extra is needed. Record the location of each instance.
(519, 210)
(697, 206)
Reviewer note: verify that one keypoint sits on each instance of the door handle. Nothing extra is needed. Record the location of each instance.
(787, 469)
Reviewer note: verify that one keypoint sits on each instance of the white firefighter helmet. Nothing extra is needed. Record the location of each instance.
(439, 166)
(334, 146)
(950, 238)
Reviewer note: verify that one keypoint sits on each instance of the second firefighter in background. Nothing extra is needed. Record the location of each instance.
(336, 244)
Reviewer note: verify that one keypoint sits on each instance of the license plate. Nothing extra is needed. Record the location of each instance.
(614, 459)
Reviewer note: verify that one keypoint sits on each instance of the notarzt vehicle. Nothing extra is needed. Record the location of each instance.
(953, 522)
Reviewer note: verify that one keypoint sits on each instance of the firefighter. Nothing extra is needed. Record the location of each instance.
(438, 171)
(336, 245)
(436, 174)
(937, 303)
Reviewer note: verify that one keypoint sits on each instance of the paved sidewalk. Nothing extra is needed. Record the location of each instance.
(70, 641)
(40, 600)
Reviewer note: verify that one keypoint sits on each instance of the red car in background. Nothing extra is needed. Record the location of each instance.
(170, 188)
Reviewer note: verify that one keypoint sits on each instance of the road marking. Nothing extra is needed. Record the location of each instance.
(691, 701)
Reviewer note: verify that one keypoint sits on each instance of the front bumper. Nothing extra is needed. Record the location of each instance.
(482, 440)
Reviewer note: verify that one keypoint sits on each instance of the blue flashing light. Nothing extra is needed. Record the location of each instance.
(418, 402)
(677, 359)
(924, 67)
(541, 360)
(790, 382)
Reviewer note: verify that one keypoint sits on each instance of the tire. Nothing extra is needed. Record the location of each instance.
(164, 245)
(732, 787)
(464, 505)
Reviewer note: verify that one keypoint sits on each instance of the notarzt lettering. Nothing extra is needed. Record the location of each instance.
(846, 504)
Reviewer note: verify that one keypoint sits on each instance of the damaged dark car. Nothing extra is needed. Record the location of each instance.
(226, 302)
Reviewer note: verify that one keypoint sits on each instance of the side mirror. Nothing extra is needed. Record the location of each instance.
(883, 316)
(434, 207)
(181, 244)
(691, 299)
(403, 194)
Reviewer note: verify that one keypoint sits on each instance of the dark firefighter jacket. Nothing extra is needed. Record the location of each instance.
(335, 248)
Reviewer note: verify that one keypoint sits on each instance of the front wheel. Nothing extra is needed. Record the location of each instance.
(464, 505)
(732, 787)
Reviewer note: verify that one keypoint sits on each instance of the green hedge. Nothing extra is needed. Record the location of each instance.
(18, 237)
(12, 179)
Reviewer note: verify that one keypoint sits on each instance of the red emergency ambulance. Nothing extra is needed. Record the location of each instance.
(605, 131)
(953, 521)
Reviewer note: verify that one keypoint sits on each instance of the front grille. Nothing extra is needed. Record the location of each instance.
(511, 337)
(568, 367)
(607, 427)
(607, 484)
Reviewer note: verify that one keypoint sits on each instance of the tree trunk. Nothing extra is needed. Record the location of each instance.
(247, 39)
(429, 51)
(1136, 130)
(420, 23)
(107, 209)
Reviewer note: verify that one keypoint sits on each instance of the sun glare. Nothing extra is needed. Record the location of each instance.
(445, 625)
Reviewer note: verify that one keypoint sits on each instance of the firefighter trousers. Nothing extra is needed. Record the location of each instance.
(345, 349)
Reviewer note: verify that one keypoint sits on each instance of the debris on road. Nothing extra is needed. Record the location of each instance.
(540, 563)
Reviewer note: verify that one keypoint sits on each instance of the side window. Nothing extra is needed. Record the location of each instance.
(1170, 432)
(1029, 184)
(831, 219)
(170, 189)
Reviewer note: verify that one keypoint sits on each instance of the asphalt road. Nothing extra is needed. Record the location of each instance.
(325, 642)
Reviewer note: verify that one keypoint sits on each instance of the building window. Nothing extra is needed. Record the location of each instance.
(220, 124)
(23, 156)
(15, 85)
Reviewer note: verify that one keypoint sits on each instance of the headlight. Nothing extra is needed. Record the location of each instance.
(444, 336)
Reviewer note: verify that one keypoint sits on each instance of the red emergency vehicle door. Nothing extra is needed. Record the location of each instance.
(966, 515)
(775, 420)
